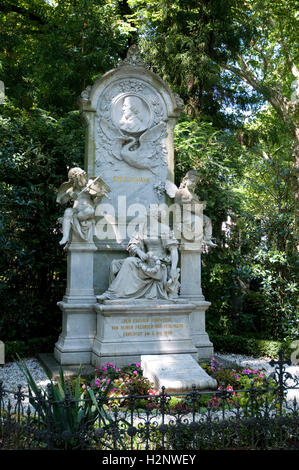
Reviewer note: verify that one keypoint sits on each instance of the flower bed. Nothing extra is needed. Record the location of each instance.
(129, 380)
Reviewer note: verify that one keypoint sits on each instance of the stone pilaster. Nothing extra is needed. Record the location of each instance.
(75, 343)
(191, 290)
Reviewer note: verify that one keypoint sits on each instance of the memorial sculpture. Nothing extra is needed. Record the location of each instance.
(191, 223)
(138, 294)
(132, 139)
(151, 271)
(84, 196)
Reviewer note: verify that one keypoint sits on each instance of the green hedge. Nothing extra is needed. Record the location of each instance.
(222, 343)
(250, 346)
(28, 348)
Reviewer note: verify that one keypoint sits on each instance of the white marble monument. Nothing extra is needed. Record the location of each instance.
(134, 240)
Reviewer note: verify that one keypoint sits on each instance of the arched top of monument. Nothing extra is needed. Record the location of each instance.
(132, 70)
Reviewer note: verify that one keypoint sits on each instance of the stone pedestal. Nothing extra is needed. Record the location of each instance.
(80, 276)
(128, 330)
(191, 271)
(2, 353)
(199, 335)
(191, 290)
(74, 345)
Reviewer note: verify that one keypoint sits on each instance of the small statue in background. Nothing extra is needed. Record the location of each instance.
(84, 195)
(193, 225)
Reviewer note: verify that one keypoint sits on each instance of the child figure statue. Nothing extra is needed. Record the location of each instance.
(84, 195)
(192, 217)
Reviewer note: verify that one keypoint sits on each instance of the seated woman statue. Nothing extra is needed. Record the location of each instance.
(150, 272)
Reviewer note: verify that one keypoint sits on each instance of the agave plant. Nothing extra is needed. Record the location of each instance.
(65, 410)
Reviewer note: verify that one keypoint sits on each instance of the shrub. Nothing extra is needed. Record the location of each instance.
(36, 152)
(251, 346)
(123, 382)
(65, 408)
(28, 348)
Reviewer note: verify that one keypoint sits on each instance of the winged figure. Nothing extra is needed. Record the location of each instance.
(193, 219)
(84, 195)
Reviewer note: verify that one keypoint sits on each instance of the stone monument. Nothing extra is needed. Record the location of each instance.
(134, 240)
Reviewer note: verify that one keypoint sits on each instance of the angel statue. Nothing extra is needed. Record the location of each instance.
(150, 272)
(84, 195)
(193, 225)
(129, 137)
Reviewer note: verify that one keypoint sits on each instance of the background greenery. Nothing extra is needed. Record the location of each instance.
(233, 63)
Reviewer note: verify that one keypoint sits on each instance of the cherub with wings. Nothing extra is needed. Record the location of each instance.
(193, 225)
(84, 195)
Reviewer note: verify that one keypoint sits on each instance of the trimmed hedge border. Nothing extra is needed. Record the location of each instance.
(222, 343)
(249, 346)
(28, 348)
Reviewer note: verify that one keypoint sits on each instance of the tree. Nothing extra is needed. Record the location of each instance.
(253, 43)
(51, 52)
(180, 39)
(36, 151)
(268, 64)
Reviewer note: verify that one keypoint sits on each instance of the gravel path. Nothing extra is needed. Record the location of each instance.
(252, 363)
(11, 375)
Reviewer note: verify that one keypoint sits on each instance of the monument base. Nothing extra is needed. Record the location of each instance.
(127, 331)
(74, 345)
(199, 335)
(53, 367)
(121, 331)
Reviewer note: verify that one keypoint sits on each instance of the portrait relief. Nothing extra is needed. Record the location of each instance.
(131, 114)
(132, 127)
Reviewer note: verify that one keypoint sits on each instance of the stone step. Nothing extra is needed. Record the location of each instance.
(176, 372)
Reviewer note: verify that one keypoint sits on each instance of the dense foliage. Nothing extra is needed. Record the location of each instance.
(233, 63)
(36, 150)
(251, 276)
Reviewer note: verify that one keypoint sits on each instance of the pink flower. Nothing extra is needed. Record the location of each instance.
(135, 372)
(214, 402)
